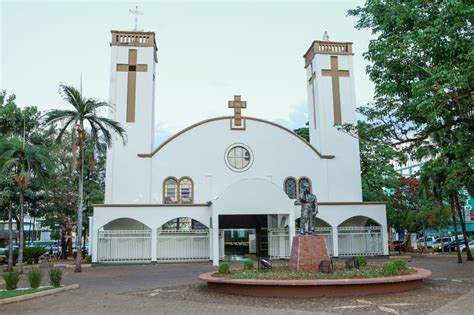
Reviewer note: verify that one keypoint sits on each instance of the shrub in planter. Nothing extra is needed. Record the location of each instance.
(34, 278)
(88, 259)
(248, 264)
(400, 264)
(224, 267)
(55, 276)
(390, 269)
(11, 279)
(31, 254)
(362, 261)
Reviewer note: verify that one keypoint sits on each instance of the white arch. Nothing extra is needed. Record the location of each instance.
(253, 196)
(123, 225)
(359, 220)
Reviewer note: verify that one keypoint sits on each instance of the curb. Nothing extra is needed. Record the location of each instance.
(74, 266)
(35, 295)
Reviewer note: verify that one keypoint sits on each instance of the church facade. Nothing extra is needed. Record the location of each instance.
(189, 198)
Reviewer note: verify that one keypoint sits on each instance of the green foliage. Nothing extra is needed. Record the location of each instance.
(362, 261)
(400, 264)
(224, 268)
(390, 269)
(303, 132)
(55, 276)
(248, 264)
(15, 253)
(88, 259)
(34, 278)
(11, 279)
(33, 253)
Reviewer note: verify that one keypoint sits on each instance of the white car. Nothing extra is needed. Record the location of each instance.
(437, 245)
(462, 247)
(420, 243)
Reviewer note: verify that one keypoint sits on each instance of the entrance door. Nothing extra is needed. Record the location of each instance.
(240, 230)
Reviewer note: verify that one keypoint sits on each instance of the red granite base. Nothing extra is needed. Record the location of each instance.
(307, 252)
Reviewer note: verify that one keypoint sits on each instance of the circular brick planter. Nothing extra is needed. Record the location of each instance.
(315, 288)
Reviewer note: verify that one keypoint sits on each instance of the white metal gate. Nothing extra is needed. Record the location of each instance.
(124, 246)
(279, 240)
(364, 240)
(182, 245)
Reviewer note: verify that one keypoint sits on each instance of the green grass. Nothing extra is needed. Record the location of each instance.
(283, 273)
(12, 293)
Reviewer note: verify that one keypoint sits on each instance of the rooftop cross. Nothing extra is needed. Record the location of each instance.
(136, 12)
(237, 104)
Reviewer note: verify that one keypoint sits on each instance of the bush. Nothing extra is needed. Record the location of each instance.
(33, 253)
(224, 267)
(15, 255)
(400, 264)
(34, 278)
(88, 259)
(55, 276)
(362, 261)
(11, 279)
(390, 269)
(248, 264)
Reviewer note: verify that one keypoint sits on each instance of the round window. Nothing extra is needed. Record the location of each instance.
(238, 157)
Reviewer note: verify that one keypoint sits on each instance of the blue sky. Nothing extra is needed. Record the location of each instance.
(207, 52)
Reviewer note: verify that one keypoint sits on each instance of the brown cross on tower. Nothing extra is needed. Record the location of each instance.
(237, 104)
(132, 68)
(335, 73)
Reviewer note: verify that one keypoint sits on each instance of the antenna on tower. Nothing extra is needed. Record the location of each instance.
(136, 12)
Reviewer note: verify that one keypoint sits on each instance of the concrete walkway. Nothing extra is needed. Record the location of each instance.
(460, 306)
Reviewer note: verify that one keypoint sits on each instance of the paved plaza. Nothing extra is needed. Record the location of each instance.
(174, 289)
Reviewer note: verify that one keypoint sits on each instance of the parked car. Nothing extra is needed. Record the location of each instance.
(452, 246)
(420, 243)
(463, 247)
(437, 245)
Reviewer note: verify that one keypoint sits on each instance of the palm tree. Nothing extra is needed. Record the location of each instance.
(85, 112)
(22, 161)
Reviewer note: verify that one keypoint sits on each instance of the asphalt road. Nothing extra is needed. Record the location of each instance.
(175, 289)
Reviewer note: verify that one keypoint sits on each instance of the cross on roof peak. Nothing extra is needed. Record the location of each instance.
(237, 104)
(136, 13)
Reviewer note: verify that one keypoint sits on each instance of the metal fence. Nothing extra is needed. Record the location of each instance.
(115, 246)
(182, 245)
(366, 240)
(279, 240)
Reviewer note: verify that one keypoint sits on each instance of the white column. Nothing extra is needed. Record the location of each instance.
(94, 241)
(335, 242)
(154, 244)
(215, 237)
(385, 240)
(89, 237)
(291, 226)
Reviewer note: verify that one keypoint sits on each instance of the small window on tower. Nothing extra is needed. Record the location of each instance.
(185, 190)
(290, 187)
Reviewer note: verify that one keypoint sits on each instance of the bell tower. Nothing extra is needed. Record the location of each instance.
(132, 94)
(332, 103)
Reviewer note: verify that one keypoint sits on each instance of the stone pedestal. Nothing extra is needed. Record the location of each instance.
(307, 251)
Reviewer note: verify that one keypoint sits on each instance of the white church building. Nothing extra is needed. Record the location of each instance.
(189, 198)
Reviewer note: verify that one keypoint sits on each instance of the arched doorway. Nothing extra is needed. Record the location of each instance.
(124, 240)
(360, 235)
(183, 239)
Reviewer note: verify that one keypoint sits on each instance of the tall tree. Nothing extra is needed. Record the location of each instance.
(85, 114)
(421, 64)
(21, 161)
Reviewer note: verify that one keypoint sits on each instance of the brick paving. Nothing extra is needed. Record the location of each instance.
(174, 289)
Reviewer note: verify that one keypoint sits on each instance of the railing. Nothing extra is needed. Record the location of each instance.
(117, 246)
(365, 240)
(133, 38)
(332, 47)
(182, 245)
(279, 240)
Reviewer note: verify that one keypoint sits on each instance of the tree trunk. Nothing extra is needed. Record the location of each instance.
(10, 237)
(425, 246)
(453, 213)
(463, 228)
(80, 201)
(20, 246)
